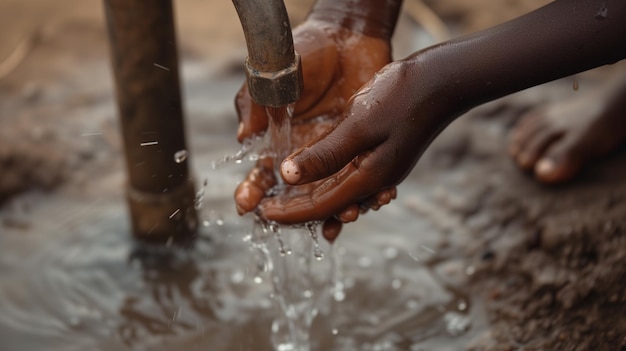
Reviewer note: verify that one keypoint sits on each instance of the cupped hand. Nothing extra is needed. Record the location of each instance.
(383, 131)
(336, 62)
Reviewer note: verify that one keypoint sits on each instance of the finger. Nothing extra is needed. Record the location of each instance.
(252, 117)
(251, 191)
(331, 229)
(380, 199)
(350, 214)
(331, 151)
(332, 196)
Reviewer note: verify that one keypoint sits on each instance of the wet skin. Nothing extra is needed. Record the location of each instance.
(555, 141)
(389, 122)
(336, 62)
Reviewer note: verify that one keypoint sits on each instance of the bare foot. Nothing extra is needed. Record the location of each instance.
(556, 141)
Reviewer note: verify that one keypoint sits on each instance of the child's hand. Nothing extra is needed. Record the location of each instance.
(336, 62)
(384, 130)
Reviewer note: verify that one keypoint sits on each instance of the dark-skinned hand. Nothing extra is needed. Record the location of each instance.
(370, 149)
(336, 62)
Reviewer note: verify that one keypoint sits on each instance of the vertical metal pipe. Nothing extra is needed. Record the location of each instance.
(145, 66)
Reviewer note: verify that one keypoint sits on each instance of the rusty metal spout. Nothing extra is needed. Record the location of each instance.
(273, 67)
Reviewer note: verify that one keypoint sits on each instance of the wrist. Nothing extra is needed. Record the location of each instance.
(374, 18)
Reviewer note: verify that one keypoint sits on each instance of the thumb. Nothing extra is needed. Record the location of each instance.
(252, 117)
(330, 152)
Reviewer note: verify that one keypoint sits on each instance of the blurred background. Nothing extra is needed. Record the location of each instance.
(454, 263)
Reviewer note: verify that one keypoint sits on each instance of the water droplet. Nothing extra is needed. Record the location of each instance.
(462, 306)
(318, 253)
(335, 331)
(390, 253)
(198, 201)
(413, 256)
(274, 227)
(180, 156)
(428, 249)
(74, 321)
(412, 304)
(456, 323)
(258, 280)
(275, 326)
(396, 284)
(175, 213)
(237, 277)
(470, 270)
(602, 13)
(339, 295)
(282, 248)
(317, 250)
(373, 319)
(307, 294)
(206, 223)
(365, 261)
(161, 67)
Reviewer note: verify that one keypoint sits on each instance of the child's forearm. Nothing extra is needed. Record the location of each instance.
(563, 38)
(376, 18)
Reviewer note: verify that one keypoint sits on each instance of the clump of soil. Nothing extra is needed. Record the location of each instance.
(27, 163)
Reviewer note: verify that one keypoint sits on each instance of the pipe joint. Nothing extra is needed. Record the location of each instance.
(275, 89)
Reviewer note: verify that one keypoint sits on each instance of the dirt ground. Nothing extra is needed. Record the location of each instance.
(548, 263)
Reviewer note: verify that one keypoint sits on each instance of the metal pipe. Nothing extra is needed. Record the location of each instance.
(272, 67)
(145, 66)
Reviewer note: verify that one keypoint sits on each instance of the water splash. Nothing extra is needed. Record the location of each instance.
(180, 156)
(317, 250)
(294, 292)
(247, 152)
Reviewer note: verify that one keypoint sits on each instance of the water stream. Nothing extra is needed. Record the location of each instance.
(289, 256)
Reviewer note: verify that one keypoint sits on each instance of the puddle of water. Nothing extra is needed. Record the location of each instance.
(81, 283)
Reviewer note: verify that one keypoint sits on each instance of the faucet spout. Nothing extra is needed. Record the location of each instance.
(273, 67)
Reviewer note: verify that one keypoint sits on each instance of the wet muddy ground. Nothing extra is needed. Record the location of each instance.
(472, 255)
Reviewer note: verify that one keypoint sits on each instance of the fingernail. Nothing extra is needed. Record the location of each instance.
(545, 166)
(290, 171)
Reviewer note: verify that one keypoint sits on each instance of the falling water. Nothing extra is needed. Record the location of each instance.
(285, 253)
(280, 134)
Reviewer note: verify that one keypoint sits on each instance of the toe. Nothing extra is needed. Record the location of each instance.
(531, 151)
(560, 163)
(527, 126)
